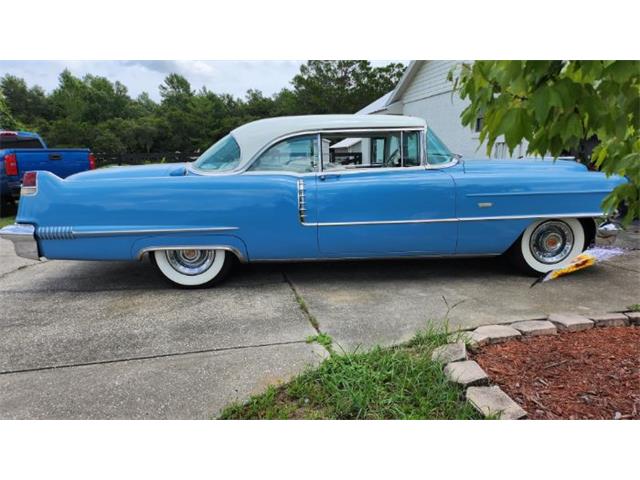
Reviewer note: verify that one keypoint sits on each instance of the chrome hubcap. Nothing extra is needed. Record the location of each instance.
(551, 242)
(191, 262)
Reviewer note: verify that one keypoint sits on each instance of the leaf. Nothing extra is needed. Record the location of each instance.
(542, 104)
(573, 127)
(514, 126)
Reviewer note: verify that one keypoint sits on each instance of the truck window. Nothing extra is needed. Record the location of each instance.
(16, 141)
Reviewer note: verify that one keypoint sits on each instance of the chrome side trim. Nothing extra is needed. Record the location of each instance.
(382, 222)
(71, 233)
(24, 240)
(302, 211)
(233, 250)
(540, 216)
(393, 257)
(509, 194)
(462, 219)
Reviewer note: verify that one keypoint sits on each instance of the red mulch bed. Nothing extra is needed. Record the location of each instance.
(594, 374)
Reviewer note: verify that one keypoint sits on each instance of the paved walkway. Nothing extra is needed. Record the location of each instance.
(111, 340)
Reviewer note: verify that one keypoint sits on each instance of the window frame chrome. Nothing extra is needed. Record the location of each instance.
(437, 166)
(244, 169)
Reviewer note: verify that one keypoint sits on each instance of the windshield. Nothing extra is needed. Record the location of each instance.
(222, 156)
(437, 152)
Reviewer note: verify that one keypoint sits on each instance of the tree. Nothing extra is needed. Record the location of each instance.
(342, 86)
(95, 112)
(175, 89)
(559, 105)
(26, 104)
(6, 118)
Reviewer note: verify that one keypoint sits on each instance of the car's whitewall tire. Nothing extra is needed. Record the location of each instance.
(192, 267)
(546, 245)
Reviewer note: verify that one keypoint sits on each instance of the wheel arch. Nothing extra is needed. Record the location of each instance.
(229, 243)
(588, 224)
(590, 229)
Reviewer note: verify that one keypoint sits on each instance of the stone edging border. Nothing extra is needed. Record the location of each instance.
(490, 400)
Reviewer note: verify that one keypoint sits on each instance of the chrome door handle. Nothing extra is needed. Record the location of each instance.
(329, 176)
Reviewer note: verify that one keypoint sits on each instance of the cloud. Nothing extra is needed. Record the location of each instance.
(219, 76)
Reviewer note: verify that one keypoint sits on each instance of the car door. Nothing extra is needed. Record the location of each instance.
(282, 183)
(390, 205)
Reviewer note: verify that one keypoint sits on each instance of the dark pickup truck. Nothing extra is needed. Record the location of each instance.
(22, 152)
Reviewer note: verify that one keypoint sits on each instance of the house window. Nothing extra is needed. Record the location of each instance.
(478, 125)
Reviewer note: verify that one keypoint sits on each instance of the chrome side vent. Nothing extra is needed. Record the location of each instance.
(55, 233)
(302, 210)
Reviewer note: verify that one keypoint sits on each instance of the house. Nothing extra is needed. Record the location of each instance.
(424, 91)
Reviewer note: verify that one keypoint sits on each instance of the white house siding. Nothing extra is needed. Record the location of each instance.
(442, 113)
(429, 80)
(429, 95)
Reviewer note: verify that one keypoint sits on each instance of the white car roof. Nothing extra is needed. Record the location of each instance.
(254, 136)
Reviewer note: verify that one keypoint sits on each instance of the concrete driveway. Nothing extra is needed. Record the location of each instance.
(112, 340)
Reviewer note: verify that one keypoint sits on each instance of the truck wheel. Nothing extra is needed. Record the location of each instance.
(547, 245)
(7, 207)
(191, 268)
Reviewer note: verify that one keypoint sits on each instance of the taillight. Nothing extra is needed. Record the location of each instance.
(30, 179)
(29, 183)
(11, 164)
(92, 161)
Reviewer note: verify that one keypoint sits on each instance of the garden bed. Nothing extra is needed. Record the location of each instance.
(593, 374)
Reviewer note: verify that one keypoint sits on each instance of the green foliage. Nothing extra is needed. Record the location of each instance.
(6, 118)
(384, 383)
(342, 86)
(4, 221)
(322, 339)
(558, 106)
(94, 112)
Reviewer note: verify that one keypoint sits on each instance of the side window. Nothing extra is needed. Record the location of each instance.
(298, 155)
(375, 149)
(437, 151)
(411, 149)
(393, 157)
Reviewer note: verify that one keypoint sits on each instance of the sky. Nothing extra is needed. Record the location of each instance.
(219, 76)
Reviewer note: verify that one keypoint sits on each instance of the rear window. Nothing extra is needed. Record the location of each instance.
(16, 141)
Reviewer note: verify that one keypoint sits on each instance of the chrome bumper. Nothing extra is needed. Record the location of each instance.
(24, 240)
(608, 229)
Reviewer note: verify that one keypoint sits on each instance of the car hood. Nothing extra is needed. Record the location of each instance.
(526, 164)
(137, 171)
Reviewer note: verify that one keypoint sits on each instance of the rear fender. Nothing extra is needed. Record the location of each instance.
(229, 243)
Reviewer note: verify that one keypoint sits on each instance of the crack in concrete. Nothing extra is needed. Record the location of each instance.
(621, 267)
(21, 267)
(150, 357)
(303, 305)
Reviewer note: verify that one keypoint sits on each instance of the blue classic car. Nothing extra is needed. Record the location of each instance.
(276, 190)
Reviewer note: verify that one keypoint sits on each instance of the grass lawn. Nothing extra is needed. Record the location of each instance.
(7, 221)
(384, 383)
